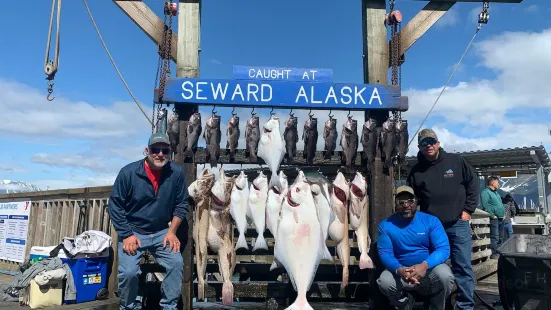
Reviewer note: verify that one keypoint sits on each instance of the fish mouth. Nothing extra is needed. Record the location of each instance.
(267, 130)
(256, 187)
(216, 200)
(239, 188)
(276, 190)
(357, 191)
(340, 194)
(290, 200)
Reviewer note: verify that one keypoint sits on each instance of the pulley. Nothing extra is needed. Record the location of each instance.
(484, 15)
(171, 8)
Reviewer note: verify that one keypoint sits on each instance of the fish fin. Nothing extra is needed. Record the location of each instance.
(275, 264)
(260, 243)
(327, 255)
(200, 291)
(274, 181)
(295, 215)
(241, 243)
(365, 261)
(227, 293)
(301, 303)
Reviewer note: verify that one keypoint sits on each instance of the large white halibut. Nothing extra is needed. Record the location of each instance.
(359, 220)
(273, 206)
(271, 147)
(238, 208)
(299, 243)
(338, 229)
(258, 195)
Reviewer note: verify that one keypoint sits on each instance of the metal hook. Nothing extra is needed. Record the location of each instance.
(348, 115)
(310, 114)
(252, 112)
(233, 111)
(272, 111)
(48, 97)
(291, 114)
(213, 110)
(330, 116)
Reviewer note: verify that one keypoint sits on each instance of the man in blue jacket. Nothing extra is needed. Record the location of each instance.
(147, 205)
(414, 247)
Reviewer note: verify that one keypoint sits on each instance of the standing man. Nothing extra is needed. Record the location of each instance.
(414, 248)
(447, 187)
(491, 203)
(147, 205)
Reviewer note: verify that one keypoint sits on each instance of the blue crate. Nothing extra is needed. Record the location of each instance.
(90, 276)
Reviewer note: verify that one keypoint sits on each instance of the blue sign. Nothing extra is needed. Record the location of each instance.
(282, 74)
(306, 95)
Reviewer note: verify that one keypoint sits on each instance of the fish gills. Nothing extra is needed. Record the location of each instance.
(290, 136)
(232, 135)
(330, 137)
(193, 131)
(174, 131)
(388, 149)
(370, 136)
(338, 229)
(238, 208)
(402, 137)
(213, 137)
(252, 137)
(310, 138)
(299, 244)
(199, 191)
(271, 147)
(359, 220)
(349, 144)
(258, 196)
(220, 233)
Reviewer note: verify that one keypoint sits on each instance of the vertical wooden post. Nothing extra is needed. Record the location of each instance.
(187, 66)
(381, 183)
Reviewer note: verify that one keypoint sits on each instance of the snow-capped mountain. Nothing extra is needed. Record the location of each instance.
(523, 188)
(8, 187)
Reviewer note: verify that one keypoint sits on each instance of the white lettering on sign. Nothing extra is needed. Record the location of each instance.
(347, 95)
(220, 91)
(274, 74)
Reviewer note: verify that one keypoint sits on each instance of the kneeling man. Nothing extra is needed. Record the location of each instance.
(413, 246)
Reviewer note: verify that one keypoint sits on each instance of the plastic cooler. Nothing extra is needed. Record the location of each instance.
(89, 273)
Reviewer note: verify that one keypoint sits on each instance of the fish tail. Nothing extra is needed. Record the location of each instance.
(274, 181)
(365, 261)
(327, 255)
(227, 293)
(200, 290)
(241, 242)
(301, 303)
(260, 243)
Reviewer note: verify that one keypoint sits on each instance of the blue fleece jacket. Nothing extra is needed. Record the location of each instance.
(134, 206)
(407, 243)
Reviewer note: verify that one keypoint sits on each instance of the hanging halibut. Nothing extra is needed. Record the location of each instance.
(276, 194)
(330, 137)
(349, 144)
(359, 220)
(213, 137)
(370, 136)
(232, 136)
(252, 136)
(338, 229)
(193, 130)
(238, 208)
(221, 232)
(310, 138)
(258, 194)
(199, 191)
(299, 246)
(271, 147)
(173, 131)
(388, 139)
(291, 139)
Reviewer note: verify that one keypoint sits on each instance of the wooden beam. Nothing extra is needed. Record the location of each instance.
(421, 23)
(148, 22)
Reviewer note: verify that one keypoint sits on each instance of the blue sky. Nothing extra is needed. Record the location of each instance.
(92, 128)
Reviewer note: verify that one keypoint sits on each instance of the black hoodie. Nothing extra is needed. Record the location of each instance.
(445, 187)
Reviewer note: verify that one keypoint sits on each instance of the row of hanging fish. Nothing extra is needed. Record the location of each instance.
(301, 217)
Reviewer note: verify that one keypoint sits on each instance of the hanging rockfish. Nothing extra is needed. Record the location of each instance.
(252, 136)
(238, 208)
(349, 144)
(338, 229)
(199, 191)
(173, 131)
(232, 135)
(359, 220)
(290, 136)
(402, 137)
(271, 147)
(213, 136)
(330, 137)
(193, 131)
(310, 138)
(369, 141)
(388, 149)
(221, 232)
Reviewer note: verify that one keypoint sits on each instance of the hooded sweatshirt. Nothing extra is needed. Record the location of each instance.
(445, 187)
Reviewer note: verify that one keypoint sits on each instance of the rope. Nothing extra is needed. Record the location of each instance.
(113, 62)
(445, 85)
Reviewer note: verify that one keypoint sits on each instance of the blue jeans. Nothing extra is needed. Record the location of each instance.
(459, 234)
(496, 234)
(508, 228)
(129, 271)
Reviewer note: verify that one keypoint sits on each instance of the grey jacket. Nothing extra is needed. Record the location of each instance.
(510, 211)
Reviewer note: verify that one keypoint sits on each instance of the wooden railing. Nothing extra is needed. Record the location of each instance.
(65, 213)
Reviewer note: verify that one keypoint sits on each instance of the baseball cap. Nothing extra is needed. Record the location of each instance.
(158, 138)
(404, 189)
(426, 133)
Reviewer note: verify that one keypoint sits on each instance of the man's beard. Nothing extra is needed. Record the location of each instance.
(407, 215)
(151, 160)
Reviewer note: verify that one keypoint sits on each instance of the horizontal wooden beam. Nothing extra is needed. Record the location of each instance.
(480, 1)
(148, 22)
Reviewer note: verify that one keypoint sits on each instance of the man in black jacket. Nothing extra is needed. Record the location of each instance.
(448, 188)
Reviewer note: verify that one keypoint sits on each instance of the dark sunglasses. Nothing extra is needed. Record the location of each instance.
(427, 142)
(156, 150)
(408, 201)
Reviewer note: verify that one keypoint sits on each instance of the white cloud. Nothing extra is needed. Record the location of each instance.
(449, 19)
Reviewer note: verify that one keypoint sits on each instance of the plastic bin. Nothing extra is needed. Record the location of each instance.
(524, 272)
(89, 273)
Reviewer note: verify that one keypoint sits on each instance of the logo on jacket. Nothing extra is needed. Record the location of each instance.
(448, 174)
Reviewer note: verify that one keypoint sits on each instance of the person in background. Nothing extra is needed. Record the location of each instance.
(510, 207)
(491, 203)
(448, 188)
(148, 203)
(413, 247)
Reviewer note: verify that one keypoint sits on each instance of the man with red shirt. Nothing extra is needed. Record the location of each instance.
(148, 203)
